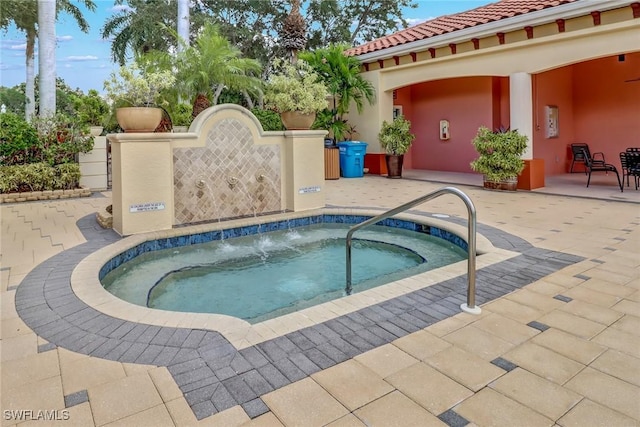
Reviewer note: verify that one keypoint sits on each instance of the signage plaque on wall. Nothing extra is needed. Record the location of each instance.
(312, 189)
(146, 207)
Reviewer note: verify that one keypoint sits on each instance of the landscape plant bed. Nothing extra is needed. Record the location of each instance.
(31, 196)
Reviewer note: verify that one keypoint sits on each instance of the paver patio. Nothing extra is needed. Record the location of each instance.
(562, 350)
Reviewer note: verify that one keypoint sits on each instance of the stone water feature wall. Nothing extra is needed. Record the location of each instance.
(224, 167)
(229, 177)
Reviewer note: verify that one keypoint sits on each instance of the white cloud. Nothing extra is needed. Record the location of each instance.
(64, 38)
(122, 8)
(415, 21)
(81, 58)
(13, 44)
(11, 66)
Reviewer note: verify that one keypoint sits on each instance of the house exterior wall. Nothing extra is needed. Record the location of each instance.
(467, 103)
(549, 57)
(607, 104)
(553, 88)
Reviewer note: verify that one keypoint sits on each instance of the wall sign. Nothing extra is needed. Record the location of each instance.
(146, 207)
(306, 190)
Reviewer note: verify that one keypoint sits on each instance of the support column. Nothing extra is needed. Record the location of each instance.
(142, 190)
(304, 169)
(521, 111)
(521, 108)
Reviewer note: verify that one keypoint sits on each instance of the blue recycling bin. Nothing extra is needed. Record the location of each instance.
(352, 158)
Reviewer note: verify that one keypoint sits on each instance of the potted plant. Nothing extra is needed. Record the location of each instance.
(500, 159)
(136, 91)
(395, 139)
(296, 92)
(92, 110)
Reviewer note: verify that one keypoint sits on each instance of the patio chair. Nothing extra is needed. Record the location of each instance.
(581, 153)
(593, 166)
(630, 162)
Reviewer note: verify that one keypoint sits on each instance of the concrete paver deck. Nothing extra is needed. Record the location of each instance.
(564, 349)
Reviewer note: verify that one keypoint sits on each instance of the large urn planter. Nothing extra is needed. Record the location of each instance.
(96, 130)
(507, 184)
(139, 119)
(394, 165)
(295, 120)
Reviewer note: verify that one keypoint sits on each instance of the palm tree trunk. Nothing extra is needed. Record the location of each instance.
(200, 104)
(47, 56)
(30, 83)
(217, 93)
(183, 24)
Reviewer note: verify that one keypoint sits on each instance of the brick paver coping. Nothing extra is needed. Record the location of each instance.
(210, 371)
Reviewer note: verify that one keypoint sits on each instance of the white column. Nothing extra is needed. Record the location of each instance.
(521, 108)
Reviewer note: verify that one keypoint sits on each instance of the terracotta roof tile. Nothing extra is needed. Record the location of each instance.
(450, 23)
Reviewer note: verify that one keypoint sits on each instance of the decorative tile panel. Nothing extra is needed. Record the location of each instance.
(202, 176)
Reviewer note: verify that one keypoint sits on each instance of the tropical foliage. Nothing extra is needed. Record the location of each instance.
(134, 87)
(140, 27)
(24, 14)
(341, 75)
(53, 140)
(500, 153)
(212, 64)
(396, 137)
(92, 109)
(295, 87)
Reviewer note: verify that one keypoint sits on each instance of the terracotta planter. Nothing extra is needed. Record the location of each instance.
(295, 120)
(509, 184)
(394, 165)
(139, 119)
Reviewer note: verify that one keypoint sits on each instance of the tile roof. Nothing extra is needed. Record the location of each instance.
(450, 23)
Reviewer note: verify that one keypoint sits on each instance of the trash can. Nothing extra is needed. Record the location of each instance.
(352, 158)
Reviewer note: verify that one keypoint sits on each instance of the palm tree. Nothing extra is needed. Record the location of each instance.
(47, 56)
(294, 32)
(141, 28)
(212, 64)
(24, 14)
(341, 75)
(183, 22)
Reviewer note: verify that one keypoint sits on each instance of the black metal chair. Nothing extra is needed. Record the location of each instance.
(581, 153)
(593, 166)
(630, 162)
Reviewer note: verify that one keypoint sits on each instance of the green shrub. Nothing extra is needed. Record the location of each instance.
(8, 180)
(67, 176)
(181, 114)
(38, 177)
(270, 120)
(61, 138)
(17, 140)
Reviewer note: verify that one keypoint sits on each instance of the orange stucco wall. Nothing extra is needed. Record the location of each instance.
(467, 103)
(606, 108)
(553, 88)
(595, 106)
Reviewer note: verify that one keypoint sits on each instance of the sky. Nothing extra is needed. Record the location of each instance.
(84, 60)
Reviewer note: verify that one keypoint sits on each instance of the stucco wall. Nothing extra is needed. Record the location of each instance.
(553, 88)
(467, 103)
(606, 107)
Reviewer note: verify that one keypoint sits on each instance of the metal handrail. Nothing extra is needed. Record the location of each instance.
(470, 306)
